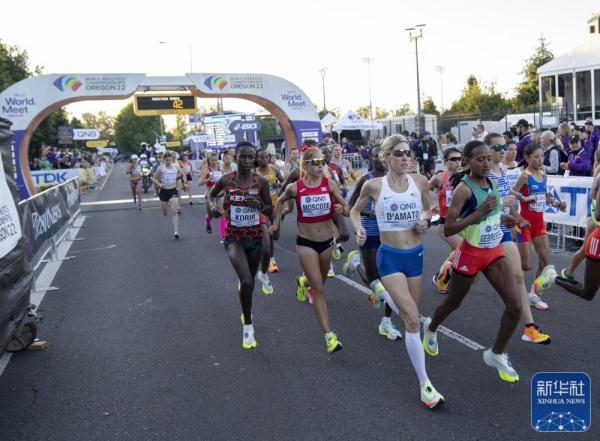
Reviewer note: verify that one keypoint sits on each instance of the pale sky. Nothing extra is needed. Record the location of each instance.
(490, 39)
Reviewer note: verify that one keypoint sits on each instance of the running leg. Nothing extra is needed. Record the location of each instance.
(245, 267)
(458, 288)
(174, 204)
(315, 268)
(542, 249)
(588, 290)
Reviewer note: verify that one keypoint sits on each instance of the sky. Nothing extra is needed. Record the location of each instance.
(294, 40)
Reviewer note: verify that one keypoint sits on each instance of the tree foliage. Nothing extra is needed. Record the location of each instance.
(381, 113)
(14, 65)
(104, 123)
(268, 126)
(47, 131)
(131, 130)
(429, 106)
(527, 92)
(479, 99)
(403, 110)
(364, 112)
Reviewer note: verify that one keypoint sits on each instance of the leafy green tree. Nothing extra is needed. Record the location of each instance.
(527, 92)
(47, 132)
(103, 122)
(480, 100)
(268, 126)
(14, 65)
(381, 113)
(180, 127)
(131, 130)
(429, 106)
(364, 112)
(403, 110)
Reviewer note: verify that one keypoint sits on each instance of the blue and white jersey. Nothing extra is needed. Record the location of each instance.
(369, 223)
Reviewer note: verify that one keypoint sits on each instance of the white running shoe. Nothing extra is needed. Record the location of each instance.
(267, 287)
(387, 329)
(430, 343)
(331, 273)
(352, 262)
(177, 235)
(248, 341)
(502, 364)
(537, 302)
(431, 397)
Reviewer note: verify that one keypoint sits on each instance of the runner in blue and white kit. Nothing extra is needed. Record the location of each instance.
(368, 251)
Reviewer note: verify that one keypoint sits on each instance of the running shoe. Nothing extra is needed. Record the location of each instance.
(267, 287)
(565, 274)
(333, 344)
(336, 254)
(430, 343)
(534, 334)
(388, 330)
(273, 267)
(352, 262)
(544, 281)
(309, 294)
(301, 289)
(431, 397)
(248, 341)
(377, 295)
(537, 303)
(502, 364)
(442, 279)
(207, 224)
(191, 203)
(140, 206)
(179, 211)
(331, 273)
(177, 235)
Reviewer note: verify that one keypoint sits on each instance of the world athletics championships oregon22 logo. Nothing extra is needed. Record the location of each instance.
(64, 82)
(215, 81)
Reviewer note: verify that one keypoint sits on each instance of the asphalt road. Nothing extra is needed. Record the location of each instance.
(145, 344)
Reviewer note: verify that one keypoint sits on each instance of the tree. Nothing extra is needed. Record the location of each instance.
(364, 112)
(403, 110)
(131, 130)
(103, 122)
(14, 65)
(527, 92)
(268, 126)
(180, 127)
(47, 131)
(480, 100)
(429, 106)
(381, 113)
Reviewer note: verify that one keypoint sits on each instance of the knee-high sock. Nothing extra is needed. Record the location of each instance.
(416, 353)
(222, 226)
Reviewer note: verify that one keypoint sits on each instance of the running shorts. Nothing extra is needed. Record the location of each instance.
(592, 245)
(469, 260)
(371, 242)
(188, 177)
(319, 247)
(249, 246)
(392, 260)
(537, 228)
(165, 194)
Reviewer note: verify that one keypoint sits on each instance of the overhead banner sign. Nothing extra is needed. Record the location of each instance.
(10, 227)
(576, 192)
(96, 144)
(85, 134)
(150, 105)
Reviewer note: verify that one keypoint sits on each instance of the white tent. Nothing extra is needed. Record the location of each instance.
(585, 56)
(351, 121)
(327, 121)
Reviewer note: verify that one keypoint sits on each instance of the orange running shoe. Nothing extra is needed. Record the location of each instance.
(273, 268)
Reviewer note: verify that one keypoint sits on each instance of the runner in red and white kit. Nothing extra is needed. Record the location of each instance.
(316, 200)
(209, 176)
(186, 166)
(246, 197)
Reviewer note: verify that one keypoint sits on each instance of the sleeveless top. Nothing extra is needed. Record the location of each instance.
(369, 223)
(168, 175)
(187, 167)
(271, 178)
(398, 211)
(243, 222)
(537, 190)
(136, 169)
(314, 204)
(504, 189)
(486, 231)
(213, 177)
(444, 194)
(512, 175)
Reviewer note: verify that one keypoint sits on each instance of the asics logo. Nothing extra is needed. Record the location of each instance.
(421, 253)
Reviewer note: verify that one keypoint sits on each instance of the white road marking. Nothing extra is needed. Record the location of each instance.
(45, 279)
(130, 201)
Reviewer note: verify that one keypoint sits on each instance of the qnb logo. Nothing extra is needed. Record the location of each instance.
(215, 81)
(63, 83)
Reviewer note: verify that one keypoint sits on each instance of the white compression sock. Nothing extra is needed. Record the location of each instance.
(417, 354)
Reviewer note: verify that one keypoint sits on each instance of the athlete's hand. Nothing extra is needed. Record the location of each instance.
(274, 230)
(488, 205)
(509, 200)
(523, 223)
(528, 199)
(361, 236)
(508, 221)
(562, 206)
(435, 210)
(422, 226)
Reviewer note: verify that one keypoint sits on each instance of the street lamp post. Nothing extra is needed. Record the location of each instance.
(323, 72)
(415, 38)
(441, 70)
(369, 61)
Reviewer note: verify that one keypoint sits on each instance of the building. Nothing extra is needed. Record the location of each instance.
(570, 84)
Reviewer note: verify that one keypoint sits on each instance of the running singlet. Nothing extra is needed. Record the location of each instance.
(314, 204)
(398, 211)
(243, 222)
(187, 167)
(444, 194)
(369, 223)
(168, 176)
(333, 168)
(271, 177)
(136, 170)
(486, 231)
(530, 210)
(213, 177)
(504, 189)
(512, 174)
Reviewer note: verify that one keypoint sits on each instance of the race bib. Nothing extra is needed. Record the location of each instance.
(244, 216)
(448, 198)
(315, 205)
(400, 215)
(169, 178)
(490, 233)
(216, 175)
(425, 156)
(187, 169)
(539, 205)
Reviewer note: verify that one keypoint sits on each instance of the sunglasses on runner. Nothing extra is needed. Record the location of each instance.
(316, 162)
(401, 153)
(455, 159)
(499, 147)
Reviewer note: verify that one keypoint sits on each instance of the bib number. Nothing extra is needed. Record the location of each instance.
(169, 178)
(315, 205)
(490, 232)
(215, 176)
(400, 216)
(539, 205)
(448, 198)
(244, 216)
(425, 156)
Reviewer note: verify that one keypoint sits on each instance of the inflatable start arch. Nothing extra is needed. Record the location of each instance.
(28, 102)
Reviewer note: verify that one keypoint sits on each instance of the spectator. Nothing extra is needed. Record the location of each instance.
(554, 154)
(364, 153)
(593, 134)
(579, 162)
(479, 132)
(451, 141)
(347, 146)
(508, 136)
(35, 164)
(522, 129)
(564, 133)
(425, 152)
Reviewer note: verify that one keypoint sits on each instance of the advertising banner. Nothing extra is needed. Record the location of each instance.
(10, 228)
(52, 177)
(43, 215)
(86, 134)
(576, 192)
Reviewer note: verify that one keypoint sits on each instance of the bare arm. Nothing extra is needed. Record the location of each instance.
(344, 209)
(156, 177)
(265, 195)
(461, 195)
(292, 177)
(288, 194)
(365, 194)
(357, 190)
(218, 188)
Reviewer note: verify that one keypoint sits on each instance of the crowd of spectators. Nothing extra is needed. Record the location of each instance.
(52, 158)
